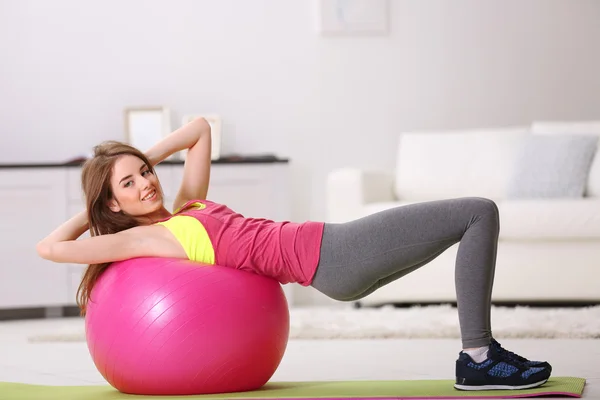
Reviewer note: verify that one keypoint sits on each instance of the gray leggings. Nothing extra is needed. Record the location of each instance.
(360, 256)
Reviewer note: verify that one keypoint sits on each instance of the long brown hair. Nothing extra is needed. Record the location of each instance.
(95, 182)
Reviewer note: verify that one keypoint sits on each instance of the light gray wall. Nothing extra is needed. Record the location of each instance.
(69, 67)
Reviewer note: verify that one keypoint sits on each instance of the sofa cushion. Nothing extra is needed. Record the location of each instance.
(442, 164)
(536, 219)
(575, 127)
(553, 166)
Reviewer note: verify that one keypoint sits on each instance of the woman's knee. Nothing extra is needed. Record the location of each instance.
(484, 208)
(485, 205)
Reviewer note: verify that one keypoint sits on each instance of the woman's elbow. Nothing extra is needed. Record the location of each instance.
(44, 250)
(203, 125)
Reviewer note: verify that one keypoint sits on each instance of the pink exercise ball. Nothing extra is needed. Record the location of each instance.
(160, 326)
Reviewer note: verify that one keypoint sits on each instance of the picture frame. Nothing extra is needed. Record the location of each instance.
(215, 122)
(352, 17)
(145, 126)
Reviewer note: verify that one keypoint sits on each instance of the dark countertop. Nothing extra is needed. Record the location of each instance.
(226, 160)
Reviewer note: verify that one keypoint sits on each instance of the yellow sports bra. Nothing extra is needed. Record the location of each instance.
(192, 235)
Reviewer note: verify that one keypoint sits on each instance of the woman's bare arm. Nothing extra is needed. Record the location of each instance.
(195, 136)
(140, 241)
(180, 139)
(62, 244)
(69, 230)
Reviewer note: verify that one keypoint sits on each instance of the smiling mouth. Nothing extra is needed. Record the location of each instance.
(150, 196)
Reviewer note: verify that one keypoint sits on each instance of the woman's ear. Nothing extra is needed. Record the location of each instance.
(114, 206)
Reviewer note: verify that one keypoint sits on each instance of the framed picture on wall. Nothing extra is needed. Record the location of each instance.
(215, 129)
(352, 17)
(145, 126)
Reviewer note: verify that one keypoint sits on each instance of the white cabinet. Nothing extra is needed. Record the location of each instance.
(32, 204)
(35, 200)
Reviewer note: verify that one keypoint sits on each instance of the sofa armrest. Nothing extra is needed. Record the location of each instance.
(350, 189)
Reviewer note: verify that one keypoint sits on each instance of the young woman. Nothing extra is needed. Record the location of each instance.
(127, 218)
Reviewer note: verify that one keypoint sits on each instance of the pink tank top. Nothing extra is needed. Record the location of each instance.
(286, 251)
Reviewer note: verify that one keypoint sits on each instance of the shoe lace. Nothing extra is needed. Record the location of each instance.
(509, 354)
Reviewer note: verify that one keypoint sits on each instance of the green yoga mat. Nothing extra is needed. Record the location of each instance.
(373, 390)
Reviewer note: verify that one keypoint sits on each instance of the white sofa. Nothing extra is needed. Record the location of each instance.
(549, 248)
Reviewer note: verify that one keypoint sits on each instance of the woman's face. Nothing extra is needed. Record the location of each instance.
(136, 189)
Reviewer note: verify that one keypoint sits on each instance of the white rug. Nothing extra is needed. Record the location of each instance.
(415, 322)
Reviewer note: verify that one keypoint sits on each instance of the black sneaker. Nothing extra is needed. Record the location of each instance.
(499, 372)
(528, 363)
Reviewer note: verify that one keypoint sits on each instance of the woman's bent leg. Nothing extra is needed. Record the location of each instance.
(361, 256)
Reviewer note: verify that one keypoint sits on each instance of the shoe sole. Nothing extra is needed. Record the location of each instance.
(499, 387)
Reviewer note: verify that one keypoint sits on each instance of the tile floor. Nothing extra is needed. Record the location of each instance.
(69, 363)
